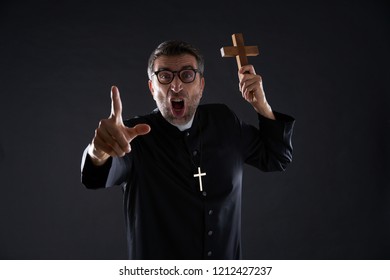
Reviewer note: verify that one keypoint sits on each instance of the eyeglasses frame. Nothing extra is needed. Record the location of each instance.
(174, 73)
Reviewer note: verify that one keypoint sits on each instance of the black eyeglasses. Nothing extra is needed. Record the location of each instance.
(166, 76)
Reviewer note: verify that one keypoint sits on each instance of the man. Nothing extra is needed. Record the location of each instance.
(181, 166)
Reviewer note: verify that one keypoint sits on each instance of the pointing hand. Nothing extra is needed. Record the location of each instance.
(112, 137)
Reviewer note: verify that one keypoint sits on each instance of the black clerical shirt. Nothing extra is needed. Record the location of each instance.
(167, 216)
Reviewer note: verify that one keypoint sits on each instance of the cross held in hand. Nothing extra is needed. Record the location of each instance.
(239, 50)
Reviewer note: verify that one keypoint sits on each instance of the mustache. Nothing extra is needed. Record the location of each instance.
(180, 94)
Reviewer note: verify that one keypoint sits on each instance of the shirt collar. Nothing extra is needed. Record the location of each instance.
(185, 126)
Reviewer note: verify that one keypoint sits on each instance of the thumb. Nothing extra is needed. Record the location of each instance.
(142, 129)
(139, 129)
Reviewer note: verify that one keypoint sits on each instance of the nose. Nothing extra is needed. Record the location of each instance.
(176, 84)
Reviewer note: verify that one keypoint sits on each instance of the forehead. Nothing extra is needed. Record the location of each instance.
(176, 62)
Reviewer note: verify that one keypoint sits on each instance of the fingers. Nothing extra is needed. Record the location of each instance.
(250, 84)
(116, 105)
(247, 69)
(115, 140)
(248, 78)
(110, 138)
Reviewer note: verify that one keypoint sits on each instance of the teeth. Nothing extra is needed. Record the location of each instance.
(177, 100)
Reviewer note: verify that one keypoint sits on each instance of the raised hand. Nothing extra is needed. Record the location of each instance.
(251, 87)
(112, 137)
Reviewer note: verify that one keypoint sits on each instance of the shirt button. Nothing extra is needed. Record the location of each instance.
(210, 212)
(210, 233)
(195, 153)
(204, 193)
(209, 253)
(187, 133)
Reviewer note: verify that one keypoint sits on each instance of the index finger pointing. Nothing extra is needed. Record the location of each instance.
(116, 104)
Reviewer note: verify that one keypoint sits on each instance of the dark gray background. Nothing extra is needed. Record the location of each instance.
(325, 63)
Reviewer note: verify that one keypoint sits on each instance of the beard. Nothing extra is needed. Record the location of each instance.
(178, 108)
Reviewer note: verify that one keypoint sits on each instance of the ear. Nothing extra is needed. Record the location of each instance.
(202, 83)
(150, 84)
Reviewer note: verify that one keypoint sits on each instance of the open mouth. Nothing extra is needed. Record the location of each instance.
(177, 104)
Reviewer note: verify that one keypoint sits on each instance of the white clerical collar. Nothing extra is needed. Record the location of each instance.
(185, 126)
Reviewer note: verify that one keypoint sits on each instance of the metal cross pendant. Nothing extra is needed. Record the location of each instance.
(200, 174)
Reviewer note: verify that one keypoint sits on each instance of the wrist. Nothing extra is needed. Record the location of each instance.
(97, 157)
(265, 110)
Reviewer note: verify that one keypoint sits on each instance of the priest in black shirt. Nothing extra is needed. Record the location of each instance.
(181, 166)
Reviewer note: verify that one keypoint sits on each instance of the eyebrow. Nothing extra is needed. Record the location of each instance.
(169, 69)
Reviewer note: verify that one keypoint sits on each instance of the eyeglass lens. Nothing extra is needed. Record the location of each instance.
(186, 76)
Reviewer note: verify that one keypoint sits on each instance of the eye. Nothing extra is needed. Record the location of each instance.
(187, 75)
(165, 76)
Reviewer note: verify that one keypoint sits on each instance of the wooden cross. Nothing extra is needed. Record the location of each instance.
(239, 50)
(200, 174)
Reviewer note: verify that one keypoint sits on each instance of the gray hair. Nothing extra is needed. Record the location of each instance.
(172, 48)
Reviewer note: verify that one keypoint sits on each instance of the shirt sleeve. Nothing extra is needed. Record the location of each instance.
(112, 173)
(269, 147)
